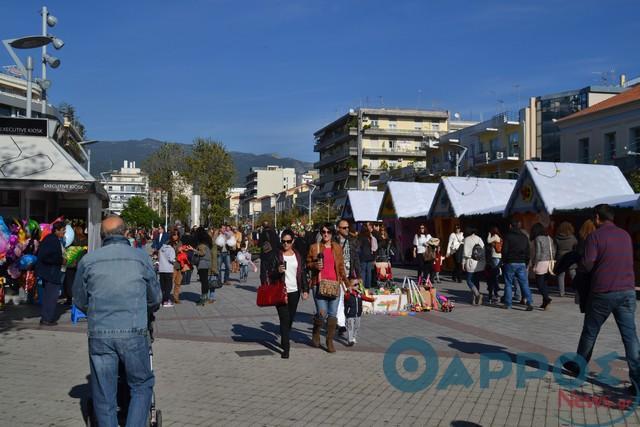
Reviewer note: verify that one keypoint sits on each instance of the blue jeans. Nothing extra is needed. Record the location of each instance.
(473, 281)
(516, 271)
(325, 307)
(104, 356)
(492, 279)
(623, 306)
(366, 268)
(223, 259)
(244, 271)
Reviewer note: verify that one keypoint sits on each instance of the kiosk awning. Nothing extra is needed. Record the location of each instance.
(407, 199)
(466, 196)
(362, 205)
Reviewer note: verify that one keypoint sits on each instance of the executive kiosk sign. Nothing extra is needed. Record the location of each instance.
(23, 127)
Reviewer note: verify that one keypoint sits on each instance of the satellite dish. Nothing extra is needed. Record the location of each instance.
(457, 116)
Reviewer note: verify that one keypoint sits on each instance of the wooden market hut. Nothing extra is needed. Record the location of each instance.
(469, 201)
(551, 193)
(404, 206)
(362, 206)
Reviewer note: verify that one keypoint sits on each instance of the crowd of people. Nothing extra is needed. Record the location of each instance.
(146, 270)
(509, 256)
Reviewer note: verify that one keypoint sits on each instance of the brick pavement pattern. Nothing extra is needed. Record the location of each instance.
(203, 380)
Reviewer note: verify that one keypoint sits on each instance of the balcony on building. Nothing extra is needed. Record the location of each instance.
(337, 157)
(323, 142)
(395, 152)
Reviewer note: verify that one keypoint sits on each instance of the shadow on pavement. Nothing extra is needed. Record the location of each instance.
(83, 393)
(12, 316)
(244, 333)
(476, 347)
(296, 335)
(190, 296)
(247, 288)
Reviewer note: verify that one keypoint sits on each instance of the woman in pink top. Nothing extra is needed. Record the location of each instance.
(325, 261)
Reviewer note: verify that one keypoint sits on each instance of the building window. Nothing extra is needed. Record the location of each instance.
(514, 145)
(634, 139)
(417, 124)
(393, 124)
(583, 147)
(435, 126)
(610, 146)
(374, 123)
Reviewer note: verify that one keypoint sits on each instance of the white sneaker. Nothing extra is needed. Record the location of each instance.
(168, 304)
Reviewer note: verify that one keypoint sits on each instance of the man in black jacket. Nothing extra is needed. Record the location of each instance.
(50, 269)
(515, 258)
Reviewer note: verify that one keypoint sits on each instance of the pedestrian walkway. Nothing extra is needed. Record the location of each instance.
(212, 367)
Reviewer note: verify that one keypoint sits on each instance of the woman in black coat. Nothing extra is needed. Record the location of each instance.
(285, 265)
(49, 268)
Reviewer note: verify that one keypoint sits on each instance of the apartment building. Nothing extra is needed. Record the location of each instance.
(261, 182)
(123, 184)
(494, 148)
(234, 196)
(550, 108)
(605, 133)
(357, 147)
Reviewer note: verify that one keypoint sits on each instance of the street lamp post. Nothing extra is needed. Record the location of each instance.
(310, 205)
(459, 156)
(33, 42)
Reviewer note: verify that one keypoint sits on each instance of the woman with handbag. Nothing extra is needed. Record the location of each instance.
(286, 265)
(326, 263)
(542, 260)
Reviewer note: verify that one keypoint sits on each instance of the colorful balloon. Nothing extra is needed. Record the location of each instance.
(4, 230)
(74, 253)
(27, 261)
(33, 226)
(45, 230)
(69, 235)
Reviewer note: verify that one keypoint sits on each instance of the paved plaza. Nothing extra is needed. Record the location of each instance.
(219, 365)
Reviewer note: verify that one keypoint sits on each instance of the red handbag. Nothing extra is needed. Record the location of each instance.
(271, 294)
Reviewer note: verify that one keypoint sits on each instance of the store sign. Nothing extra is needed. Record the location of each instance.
(23, 127)
(64, 187)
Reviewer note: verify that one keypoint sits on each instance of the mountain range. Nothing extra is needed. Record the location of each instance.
(110, 155)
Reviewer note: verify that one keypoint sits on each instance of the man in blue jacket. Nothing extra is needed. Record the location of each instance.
(50, 269)
(116, 285)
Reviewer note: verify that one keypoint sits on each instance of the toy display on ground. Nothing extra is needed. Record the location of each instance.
(405, 300)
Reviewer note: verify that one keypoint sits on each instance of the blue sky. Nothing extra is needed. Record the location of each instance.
(262, 76)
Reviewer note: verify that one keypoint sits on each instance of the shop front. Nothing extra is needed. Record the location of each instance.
(403, 208)
(41, 181)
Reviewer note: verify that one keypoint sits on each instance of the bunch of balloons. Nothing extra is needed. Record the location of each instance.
(19, 243)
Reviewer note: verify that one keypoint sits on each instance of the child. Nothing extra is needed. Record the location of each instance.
(353, 312)
(437, 265)
(244, 259)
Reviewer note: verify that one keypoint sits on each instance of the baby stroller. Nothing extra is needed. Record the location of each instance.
(124, 396)
(384, 276)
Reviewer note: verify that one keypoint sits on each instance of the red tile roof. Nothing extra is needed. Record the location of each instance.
(626, 97)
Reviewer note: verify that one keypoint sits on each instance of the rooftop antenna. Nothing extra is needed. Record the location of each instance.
(419, 98)
(381, 101)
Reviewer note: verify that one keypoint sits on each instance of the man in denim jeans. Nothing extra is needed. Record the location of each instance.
(608, 256)
(515, 258)
(115, 285)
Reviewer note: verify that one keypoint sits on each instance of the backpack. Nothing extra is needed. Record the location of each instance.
(477, 253)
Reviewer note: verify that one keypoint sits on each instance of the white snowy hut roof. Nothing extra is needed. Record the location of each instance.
(407, 199)
(362, 205)
(553, 187)
(465, 196)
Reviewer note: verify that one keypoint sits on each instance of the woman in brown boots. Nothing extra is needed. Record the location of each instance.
(325, 261)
